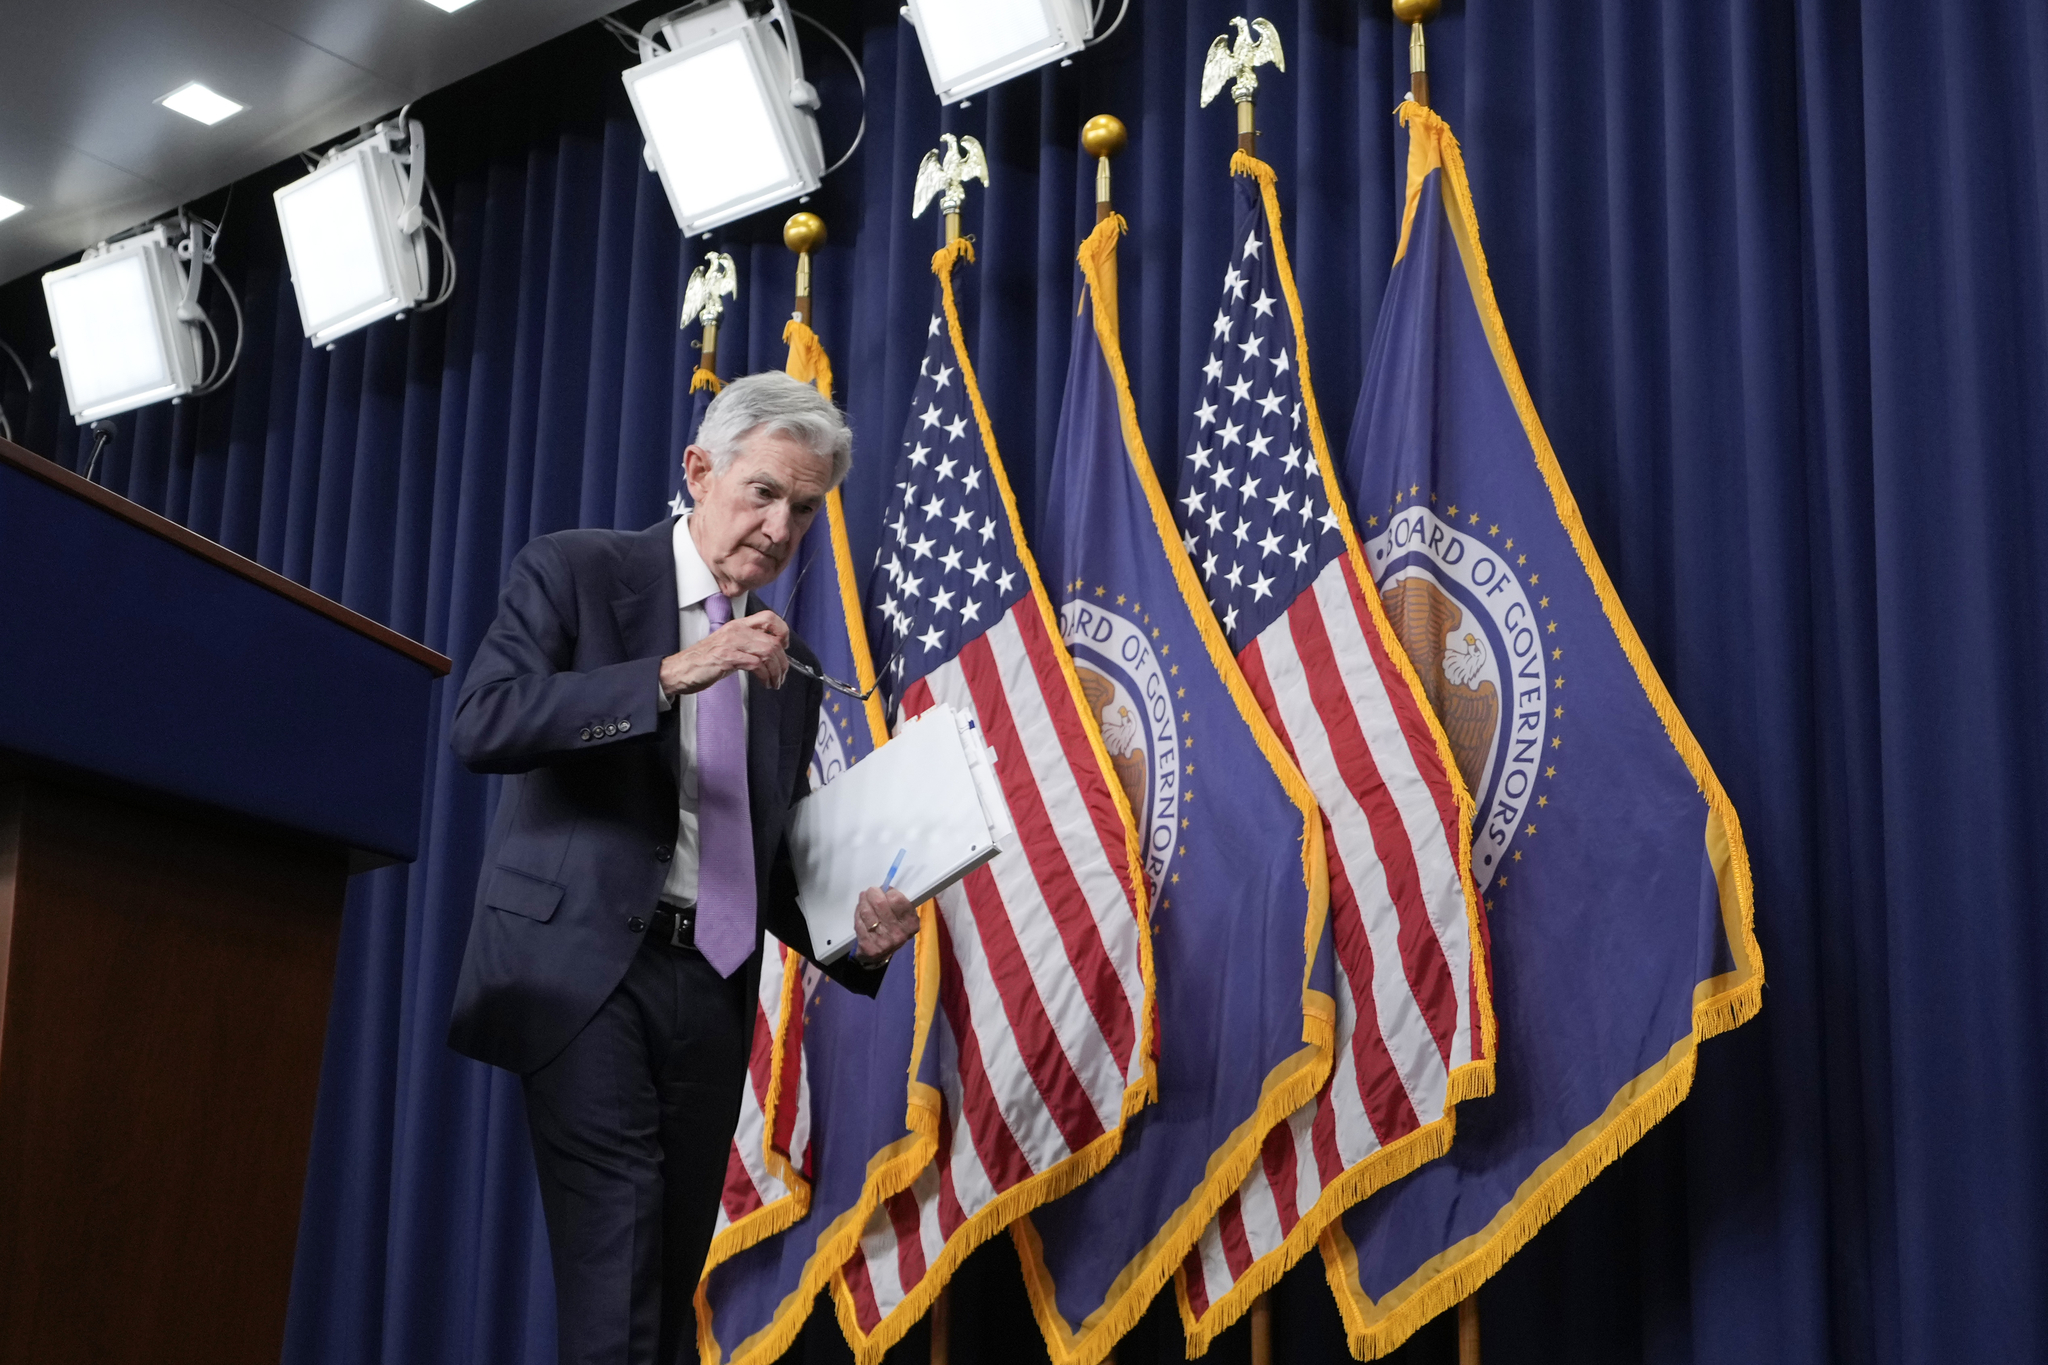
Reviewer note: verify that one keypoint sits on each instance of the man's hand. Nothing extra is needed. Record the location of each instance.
(883, 922)
(752, 644)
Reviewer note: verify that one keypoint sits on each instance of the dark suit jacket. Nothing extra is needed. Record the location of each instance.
(562, 696)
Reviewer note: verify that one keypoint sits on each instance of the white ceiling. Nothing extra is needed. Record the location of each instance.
(85, 145)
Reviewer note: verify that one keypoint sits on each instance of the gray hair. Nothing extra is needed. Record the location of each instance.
(774, 403)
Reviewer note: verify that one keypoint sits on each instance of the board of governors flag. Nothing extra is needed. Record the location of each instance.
(1233, 846)
(1611, 861)
(824, 1127)
(1040, 1049)
(767, 1184)
(1272, 541)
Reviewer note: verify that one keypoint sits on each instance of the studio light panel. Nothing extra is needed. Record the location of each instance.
(720, 124)
(351, 261)
(119, 343)
(970, 45)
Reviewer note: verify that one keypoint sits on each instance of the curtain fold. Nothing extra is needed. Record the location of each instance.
(1778, 276)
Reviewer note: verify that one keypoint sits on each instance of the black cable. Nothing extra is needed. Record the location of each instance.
(226, 204)
(103, 432)
(28, 382)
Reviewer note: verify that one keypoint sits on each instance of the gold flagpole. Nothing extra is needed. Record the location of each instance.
(1416, 13)
(803, 234)
(1102, 137)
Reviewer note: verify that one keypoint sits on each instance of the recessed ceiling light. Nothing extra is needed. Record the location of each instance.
(450, 5)
(8, 208)
(195, 101)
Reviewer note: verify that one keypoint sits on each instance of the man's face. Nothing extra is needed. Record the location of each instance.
(750, 516)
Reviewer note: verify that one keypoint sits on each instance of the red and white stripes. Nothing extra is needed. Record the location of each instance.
(767, 1171)
(1042, 1029)
(1410, 1033)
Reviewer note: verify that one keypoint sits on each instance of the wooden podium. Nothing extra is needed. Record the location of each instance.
(194, 754)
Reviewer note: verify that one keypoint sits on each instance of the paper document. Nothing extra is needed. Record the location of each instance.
(918, 814)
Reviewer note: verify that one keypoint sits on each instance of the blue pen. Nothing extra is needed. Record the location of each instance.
(894, 868)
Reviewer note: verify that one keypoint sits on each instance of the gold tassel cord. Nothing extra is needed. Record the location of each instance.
(807, 358)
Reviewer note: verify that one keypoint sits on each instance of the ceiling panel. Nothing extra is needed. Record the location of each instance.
(85, 145)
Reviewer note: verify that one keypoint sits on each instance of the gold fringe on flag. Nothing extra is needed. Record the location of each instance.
(1719, 1003)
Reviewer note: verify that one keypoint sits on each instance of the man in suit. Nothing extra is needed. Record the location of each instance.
(634, 693)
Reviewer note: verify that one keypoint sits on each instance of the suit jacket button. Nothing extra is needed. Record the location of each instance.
(624, 726)
(636, 925)
(584, 732)
(611, 729)
(663, 853)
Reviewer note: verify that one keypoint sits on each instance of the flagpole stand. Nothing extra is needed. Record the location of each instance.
(942, 1314)
(803, 234)
(1416, 13)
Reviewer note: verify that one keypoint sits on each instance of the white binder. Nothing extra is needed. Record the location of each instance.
(928, 797)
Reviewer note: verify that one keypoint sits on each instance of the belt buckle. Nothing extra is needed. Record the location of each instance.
(677, 925)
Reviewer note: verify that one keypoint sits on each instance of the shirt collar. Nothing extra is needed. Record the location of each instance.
(694, 580)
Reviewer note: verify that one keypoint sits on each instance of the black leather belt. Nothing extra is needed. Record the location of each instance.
(674, 927)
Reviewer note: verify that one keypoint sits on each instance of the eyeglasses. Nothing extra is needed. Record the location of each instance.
(850, 689)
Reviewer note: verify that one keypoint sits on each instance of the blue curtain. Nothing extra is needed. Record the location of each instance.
(1778, 274)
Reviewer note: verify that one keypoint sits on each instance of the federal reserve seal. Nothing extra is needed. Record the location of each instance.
(1127, 690)
(1460, 611)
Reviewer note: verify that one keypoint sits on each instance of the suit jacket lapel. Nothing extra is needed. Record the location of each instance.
(645, 609)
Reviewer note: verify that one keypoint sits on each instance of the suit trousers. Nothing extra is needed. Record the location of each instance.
(632, 1123)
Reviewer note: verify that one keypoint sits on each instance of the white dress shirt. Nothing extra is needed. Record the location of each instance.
(694, 584)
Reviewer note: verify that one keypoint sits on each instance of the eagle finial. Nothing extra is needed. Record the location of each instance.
(710, 284)
(947, 176)
(1233, 62)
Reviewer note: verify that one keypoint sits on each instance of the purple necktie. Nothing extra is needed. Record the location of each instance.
(726, 930)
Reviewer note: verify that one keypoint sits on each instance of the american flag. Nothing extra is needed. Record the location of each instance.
(1271, 541)
(1042, 1037)
(767, 1174)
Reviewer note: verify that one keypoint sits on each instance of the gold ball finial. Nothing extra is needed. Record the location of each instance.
(1103, 135)
(803, 232)
(1416, 11)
